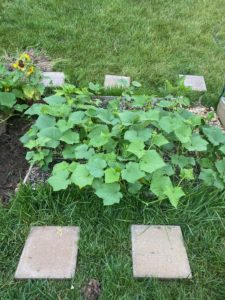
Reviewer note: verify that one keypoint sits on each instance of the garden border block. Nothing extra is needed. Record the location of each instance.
(116, 81)
(195, 82)
(53, 79)
(221, 110)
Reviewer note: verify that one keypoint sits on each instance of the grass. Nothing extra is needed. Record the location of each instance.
(150, 41)
(105, 245)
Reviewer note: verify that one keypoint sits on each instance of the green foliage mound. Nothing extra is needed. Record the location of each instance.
(133, 143)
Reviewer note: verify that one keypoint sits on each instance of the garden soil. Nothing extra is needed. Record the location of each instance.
(13, 165)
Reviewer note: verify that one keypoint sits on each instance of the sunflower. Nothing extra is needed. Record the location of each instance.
(19, 64)
(25, 56)
(30, 71)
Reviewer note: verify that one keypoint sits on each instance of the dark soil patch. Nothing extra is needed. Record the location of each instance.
(13, 165)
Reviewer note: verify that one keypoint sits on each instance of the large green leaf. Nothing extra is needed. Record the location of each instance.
(117, 130)
(70, 137)
(106, 116)
(174, 194)
(159, 140)
(100, 140)
(62, 166)
(77, 117)
(55, 99)
(7, 99)
(152, 115)
(110, 158)
(84, 152)
(60, 111)
(132, 173)
(64, 125)
(99, 136)
(220, 165)
(31, 144)
(45, 121)
(81, 176)
(159, 184)
(210, 178)
(96, 166)
(112, 175)
(20, 107)
(183, 133)
(142, 134)
(214, 135)
(29, 91)
(167, 124)
(129, 117)
(50, 132)
(140, 100)
(35, 109)
(137, 148)
(166, 103)
(134, 188)
(109, 192)
(197, 143)
(151, 161)
(59, 181)
(222, 149)
(182, 161)
(69, 152)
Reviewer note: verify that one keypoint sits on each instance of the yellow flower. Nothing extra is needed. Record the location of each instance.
(30, 71)
(19, 64)
(15, 65)
(25, 56)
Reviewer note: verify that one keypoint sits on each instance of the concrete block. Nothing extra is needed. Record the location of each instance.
(221, 111)
(113, 81)
(158, 251)
(55, 79)
(49, 252)
(196, 83)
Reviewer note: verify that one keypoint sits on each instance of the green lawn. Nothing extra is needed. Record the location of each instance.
(149, 40)
(105, 245)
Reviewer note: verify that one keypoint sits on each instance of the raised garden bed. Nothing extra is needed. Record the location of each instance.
(13, 165)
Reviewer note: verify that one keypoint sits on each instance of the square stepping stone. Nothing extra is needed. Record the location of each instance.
(53, 79)
(114, 81)
(49, 252)
(158, 251)
(196, 83)
(221, 110)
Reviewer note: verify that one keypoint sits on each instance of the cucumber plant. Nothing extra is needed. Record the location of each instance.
(133, 143)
